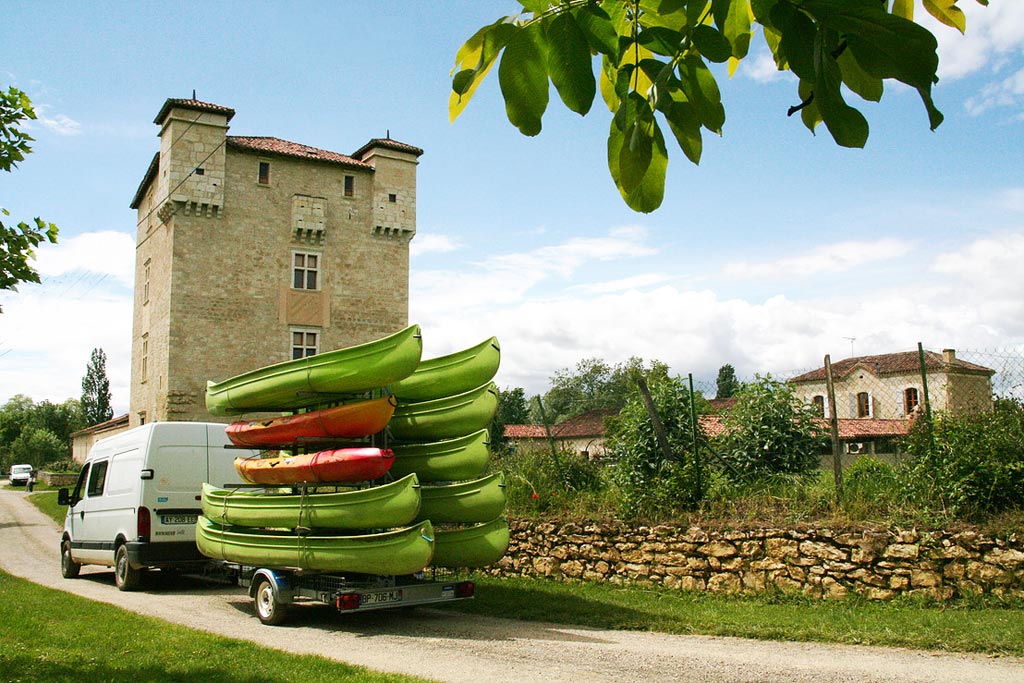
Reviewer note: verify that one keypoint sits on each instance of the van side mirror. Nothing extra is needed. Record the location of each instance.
(63, 497)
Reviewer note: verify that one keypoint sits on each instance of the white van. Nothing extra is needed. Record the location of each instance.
(20, 475)
(138, 496)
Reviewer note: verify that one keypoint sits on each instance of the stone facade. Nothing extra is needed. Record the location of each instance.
(223, 223)
(819, 562)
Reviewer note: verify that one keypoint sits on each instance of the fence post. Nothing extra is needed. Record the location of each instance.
(927, 400)
(551, 439)
(652, 412)
(833, 421)
(696, 442)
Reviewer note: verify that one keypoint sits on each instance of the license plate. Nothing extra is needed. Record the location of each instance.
(380, 597)
(178, 519)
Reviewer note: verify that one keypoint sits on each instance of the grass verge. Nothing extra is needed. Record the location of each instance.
(988, 626)
(52, 636)
(46, 501)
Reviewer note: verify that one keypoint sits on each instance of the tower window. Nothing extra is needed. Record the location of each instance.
(145, 282)
(392, 198)
(350, 185)
(144, 365)
(264, 173)
(304, 343)
(200, 171)
(305, 271)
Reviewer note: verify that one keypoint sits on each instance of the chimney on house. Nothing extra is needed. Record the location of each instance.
(949, 356)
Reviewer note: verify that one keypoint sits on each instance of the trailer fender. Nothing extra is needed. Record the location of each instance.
(278, 579)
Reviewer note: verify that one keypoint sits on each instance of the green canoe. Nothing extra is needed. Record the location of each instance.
(402, 551)
(464, 502)
(445, 418)
(453, 374)
(297, 383)
(449, 460)
(380, 507)
(474, 546)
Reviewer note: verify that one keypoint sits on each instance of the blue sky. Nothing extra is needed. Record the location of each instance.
(776, 250)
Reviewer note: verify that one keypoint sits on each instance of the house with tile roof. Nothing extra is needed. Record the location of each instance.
(253, 250)
(890, 386)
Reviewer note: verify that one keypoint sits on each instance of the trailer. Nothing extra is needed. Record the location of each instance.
(276, 591)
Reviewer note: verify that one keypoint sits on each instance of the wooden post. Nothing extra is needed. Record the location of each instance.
(551, 439)
(833, 420)
(652, 412)
(696, 442)
(927, 401)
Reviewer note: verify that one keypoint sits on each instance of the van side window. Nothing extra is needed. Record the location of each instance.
(97, 478)
(80, 484)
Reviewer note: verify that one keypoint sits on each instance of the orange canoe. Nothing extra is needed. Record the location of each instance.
(344, 465)
(350, 420)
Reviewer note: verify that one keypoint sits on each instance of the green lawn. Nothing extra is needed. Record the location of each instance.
(988, 626)
(51, 636)
(46, 500)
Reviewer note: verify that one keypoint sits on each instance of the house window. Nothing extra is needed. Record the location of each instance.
(305, 271)
(264, 173)
(145, 356)
(304, 343)
(392, 198)
(350, 185)
(910, 400)
(863, 404)
(145, 283)
(819, 405)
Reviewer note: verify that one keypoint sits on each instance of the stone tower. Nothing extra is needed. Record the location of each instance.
(256, 250)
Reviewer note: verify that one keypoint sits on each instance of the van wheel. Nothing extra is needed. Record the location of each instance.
(127, 577)
(68, 567)
(268, 609)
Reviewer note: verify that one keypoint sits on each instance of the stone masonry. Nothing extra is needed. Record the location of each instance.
(819, 562)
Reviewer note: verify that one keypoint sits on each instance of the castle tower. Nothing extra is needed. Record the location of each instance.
(256, 250)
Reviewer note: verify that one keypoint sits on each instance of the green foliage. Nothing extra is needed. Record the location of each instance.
(727, 385)
(648, 483)
(770, 430)
(17, 242)
(37, 433)
(96, 390)
(537, 483)
(654, 58)
(512, 410)
(976, 465)
(594, 384)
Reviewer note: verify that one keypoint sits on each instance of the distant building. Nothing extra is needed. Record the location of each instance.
(889, 386)
(257, 250)
(583, 434)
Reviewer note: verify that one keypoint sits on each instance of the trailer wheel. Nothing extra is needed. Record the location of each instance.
(268, 609)
(127, 577)
(68, 567)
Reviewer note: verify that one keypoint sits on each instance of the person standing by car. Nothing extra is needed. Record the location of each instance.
(31, 484)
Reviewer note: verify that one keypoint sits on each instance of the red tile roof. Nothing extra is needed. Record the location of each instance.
(894, 364)
(387, 143)
(194, 105)
(279, 147)
(525, 432)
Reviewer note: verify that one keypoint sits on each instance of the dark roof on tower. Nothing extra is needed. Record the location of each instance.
(387, 143)
(194, 105)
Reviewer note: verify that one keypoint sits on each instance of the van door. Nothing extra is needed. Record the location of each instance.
(90, 543)
(76, 512)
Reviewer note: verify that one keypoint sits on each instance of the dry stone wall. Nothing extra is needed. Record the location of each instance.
(819, 562)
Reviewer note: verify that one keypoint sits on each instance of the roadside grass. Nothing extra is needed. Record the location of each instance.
(52, 636)
(46, 501)
(989, 625)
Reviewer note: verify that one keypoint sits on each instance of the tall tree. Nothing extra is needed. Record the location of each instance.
(96, 390)
(727, 383)
(654, 57)
(593, 383)
(17, 242)
(512, 409)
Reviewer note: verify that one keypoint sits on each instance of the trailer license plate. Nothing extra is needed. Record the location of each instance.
(178, 519)
(381, 597)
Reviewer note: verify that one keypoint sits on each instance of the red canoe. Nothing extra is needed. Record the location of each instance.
(344, 465)
(350, 420)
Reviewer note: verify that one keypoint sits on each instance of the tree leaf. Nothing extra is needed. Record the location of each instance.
(700, 87)
(660, 40)
(569, 63)
(797, 39)
(733, 20)
(903, 8)
(523, 78)
(637, 157)
(947, 12)
(859, 81)
(684, 123)
(473, 62)
(848, 126)
(711, 44)
(597, 27)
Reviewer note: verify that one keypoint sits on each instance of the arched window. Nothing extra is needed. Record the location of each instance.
(819, 405)
(910, 400)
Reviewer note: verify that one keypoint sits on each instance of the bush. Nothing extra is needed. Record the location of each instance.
(536, 483)
(771, 431)
(970, 465)
(648, 483)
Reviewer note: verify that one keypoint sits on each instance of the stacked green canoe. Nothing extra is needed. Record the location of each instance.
(440, 431)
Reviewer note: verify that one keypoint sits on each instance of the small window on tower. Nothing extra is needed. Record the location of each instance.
(304, 343)
(392, 198)
(264, 174)
(305, 271)
(350, 185)
(200, 171)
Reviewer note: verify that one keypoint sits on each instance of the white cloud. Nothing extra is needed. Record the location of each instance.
(832, 258)
(1007, 92)
(760, 66)
(993, 33)
(107, 252)
(60, 124)
(432, 243)
(642, 281)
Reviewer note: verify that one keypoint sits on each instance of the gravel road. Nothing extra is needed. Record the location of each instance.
(447, 646)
